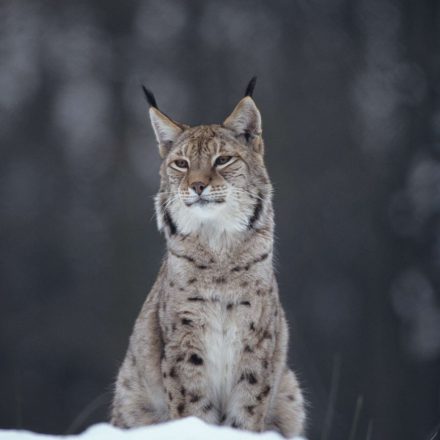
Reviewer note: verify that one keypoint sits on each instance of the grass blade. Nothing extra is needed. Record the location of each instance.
(357, 412)
(334, 385)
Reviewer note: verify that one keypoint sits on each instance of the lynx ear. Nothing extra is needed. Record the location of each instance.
(165, 129)
(245, 120)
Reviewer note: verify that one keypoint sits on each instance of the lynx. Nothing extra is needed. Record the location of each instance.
(211, 339)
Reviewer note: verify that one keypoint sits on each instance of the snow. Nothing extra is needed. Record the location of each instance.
(189, 428)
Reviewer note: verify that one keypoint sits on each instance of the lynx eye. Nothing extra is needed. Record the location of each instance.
(181, 163)
(221, 160)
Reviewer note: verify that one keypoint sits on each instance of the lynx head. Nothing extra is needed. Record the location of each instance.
(213, 178)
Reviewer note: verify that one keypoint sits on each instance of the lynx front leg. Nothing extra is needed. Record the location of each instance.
(248, 404)
(185, 379)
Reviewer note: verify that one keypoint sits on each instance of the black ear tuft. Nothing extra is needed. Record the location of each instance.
(150, 97)
(250, 87)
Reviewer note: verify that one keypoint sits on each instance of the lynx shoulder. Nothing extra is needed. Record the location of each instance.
(211, 339)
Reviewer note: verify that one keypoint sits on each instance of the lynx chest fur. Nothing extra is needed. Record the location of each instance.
(211, 339)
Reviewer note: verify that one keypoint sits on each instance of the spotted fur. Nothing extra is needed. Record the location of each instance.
(211, 339)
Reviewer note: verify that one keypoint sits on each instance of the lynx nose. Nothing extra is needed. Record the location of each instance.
(198, 187)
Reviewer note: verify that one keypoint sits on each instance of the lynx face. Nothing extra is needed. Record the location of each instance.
(205, 170)
(212, 176)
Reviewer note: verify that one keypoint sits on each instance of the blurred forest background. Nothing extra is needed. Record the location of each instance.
(350, 97)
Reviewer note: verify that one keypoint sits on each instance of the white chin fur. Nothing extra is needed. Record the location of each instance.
(215, 222)
(206, 211)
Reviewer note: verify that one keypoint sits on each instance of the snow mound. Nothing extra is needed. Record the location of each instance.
(189, 428)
